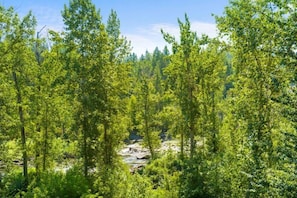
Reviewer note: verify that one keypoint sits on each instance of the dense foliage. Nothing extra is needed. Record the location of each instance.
(69, 102)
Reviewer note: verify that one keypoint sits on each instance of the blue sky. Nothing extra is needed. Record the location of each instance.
(141, 21)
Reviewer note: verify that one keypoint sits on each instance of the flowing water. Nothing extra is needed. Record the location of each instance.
(135, 155)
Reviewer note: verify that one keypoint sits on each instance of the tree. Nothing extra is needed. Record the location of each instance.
(147, 107)
(97, 56)
(17, 39)
(183, 71)
(259, 76)
(51, 101)
(115, 87)
(196, 68)
(86, 44)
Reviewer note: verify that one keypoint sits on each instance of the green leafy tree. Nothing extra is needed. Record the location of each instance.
(259, 77)
(86, 44)
(17, 39)
(196, 67)
(115, 87)
(196, 77)
(52, 103)
(148, 100)
(182, 71)
(96, 57)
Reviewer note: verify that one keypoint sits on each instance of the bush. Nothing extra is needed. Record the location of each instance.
(57, 184)
(195, 179)
(12, 184)
(164, 174)
(71, 184)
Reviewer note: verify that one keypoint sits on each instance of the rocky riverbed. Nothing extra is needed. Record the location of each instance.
(136, 156)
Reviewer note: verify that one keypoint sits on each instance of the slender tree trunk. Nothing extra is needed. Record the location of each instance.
(45, 140)
(105, 145)
(37, 154)
(192, 140)
(146, 125)
(182, 144)
(84, 149)
(214, 124)
(148, 137)
(190, 107)
(22, 128)
(192, 123)
(107, 160)
(37, 149)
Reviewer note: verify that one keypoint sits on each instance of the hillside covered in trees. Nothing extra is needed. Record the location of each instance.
(71, 101)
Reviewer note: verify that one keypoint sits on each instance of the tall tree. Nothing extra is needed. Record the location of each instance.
(86, 46)
(196, 75)
(147, 106)
(259, 76)
(17, 39)
(115, 86)
(96, 55)
(196, 68)
(183, 71)
(51, 101)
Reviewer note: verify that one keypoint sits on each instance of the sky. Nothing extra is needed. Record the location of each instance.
(141, 21)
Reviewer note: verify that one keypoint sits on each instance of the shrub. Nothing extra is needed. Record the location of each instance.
(12, 183)
(70, 184)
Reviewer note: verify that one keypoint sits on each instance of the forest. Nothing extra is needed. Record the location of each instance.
(71, 101)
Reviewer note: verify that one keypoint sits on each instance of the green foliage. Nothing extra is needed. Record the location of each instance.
(112, 182)
(231, 103)
(98, 71)
(83, 29)
(260, 76)
(51, 184)
(139, 186)
(164, 174)
(147, 100)
(13, 184)
(8, 153)
(18, 72)
(195, 75)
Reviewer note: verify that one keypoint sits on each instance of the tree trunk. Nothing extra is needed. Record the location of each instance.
(37, 149)
(84, 149)
(107, 160)
(192, 122)
(22, 129)
(214, 124)
(45, 138)
(146, 121)
(149, 141)
(182, 144)
(192, 141)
